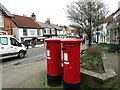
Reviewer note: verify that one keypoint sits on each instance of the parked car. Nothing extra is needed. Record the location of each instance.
(11, 47)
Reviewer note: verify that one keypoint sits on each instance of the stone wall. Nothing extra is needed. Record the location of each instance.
(96, 80)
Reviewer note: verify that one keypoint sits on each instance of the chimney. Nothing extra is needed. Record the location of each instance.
(24, 15)
(48, 21)
(33, 16)
(109, 18)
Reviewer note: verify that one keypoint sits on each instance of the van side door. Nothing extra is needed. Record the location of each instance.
(15, 46)
(4, 47)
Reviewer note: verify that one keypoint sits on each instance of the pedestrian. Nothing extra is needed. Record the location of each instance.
(27, 44)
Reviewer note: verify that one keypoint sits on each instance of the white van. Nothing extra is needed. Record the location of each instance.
(11, 47)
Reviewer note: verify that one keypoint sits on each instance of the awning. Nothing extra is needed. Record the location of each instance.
(27, 39)
(41, 37)
(30, 38)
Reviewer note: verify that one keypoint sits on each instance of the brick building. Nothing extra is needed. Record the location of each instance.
(5, 20)
(113, 26)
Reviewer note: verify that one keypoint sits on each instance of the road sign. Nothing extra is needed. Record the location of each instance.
(97, 33)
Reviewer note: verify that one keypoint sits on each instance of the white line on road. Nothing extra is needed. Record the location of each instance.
(23, 60)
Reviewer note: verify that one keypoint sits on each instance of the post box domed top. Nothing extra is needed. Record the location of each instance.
(71, 40)
(52, 40)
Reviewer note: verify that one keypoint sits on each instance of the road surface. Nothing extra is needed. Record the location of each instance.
(29, 72)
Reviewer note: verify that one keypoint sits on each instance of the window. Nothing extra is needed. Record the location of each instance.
(1, 21)
(47, 31)
(44, 31)
(53, 31)
(24, 32)
(14, 42)
(39, 31)
(4, 40)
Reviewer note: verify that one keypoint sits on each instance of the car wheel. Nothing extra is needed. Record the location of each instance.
(21, 54)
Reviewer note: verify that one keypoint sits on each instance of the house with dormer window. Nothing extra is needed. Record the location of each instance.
(48, 30)
(51, 30)
(26, 29)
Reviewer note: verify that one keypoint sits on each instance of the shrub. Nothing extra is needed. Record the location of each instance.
(94, 51)
(92, 63)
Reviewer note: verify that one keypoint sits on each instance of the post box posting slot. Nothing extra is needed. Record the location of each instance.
(65, 49)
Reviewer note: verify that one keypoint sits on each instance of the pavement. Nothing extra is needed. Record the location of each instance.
(29, 75)
(37, 72)
(114, 60)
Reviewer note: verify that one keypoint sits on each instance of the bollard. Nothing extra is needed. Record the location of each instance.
(54, 70)
(71, 57)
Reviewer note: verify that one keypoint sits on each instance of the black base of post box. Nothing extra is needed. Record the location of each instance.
(54, 80)
(67, 86)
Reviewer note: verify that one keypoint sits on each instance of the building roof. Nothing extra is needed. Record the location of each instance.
(56, 27)
(25, 22)
(110, 17)
(50, 26)
(116, 11)
(5, 11)
(63, 27)
(44, 25)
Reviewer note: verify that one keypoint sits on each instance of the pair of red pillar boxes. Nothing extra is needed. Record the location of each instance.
(70, 72)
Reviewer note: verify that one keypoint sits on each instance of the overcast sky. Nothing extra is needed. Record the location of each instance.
(52, 9)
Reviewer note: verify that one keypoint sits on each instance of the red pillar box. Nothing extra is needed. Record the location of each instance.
(54, 71)
(71, 57)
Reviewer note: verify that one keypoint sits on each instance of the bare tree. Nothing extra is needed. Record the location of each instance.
(86, 16)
